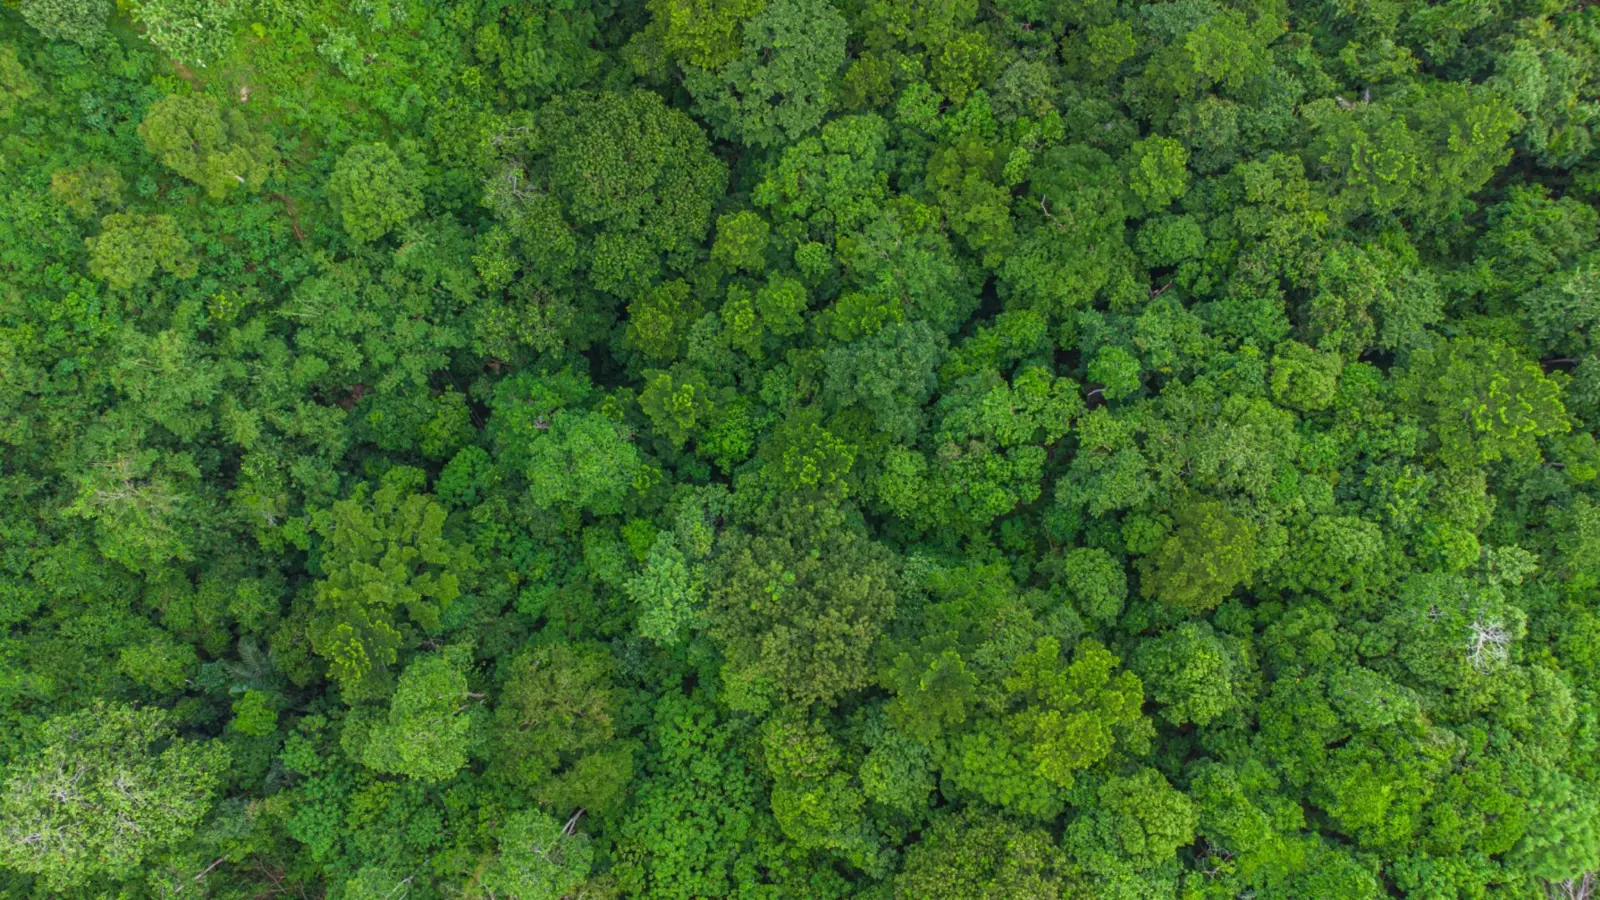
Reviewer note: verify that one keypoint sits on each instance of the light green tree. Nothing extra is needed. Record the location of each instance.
(210, 144)
(111, 786)
(374, 191)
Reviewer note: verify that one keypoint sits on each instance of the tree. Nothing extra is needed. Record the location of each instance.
(1070, 229)
(702, 33)
(1095, 581)
(1157, 171)
(80, 21)
(1484, 402)
(1140, 818)
(607, 182)
(889, 374)
(374, 191)
(195, 32)
(1563, 836)
(554, 731)
(131, 247)
(539, 859)
(1423, 150)
(424, 733)
(833, 183)
(1209, 553)
(112, 786)
(796, 603)
(676, 403)
(782, 82)
(972, 854)
(88, 189)
(207, 143)
(742, 240)
(383, 551)
(1190, 671)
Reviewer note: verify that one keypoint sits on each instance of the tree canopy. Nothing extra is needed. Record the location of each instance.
(800, 449)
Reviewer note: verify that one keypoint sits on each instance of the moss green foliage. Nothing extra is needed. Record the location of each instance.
(800, 449)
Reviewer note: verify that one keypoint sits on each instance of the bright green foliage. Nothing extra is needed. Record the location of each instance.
(962, 64)
(1485, 403)
(374, 190)
(131, 247)
(741, 242)
(810, 449)
(1011, 717)
(1157, 171)
(1140, 818)
(80, 21)
(208, 143)
(968, 181)
(695, 812)
(1073, 222)
(255, 714)
(1116, 371)
(897, 771)
(1190, 671)
(384, 552)
(1564, 829)
(1545, 71)
(1097, 585)
(676, 404)
(660, 320)
(669, 593)
(781, 83)
(1303, 378)
(195, 32)
(814, 801)
(1423, 150)
(830, 184)
(702, 33)
(1209, 553)
(567, 455)
(1072, 715)
(424, 733)
(539, 858)
(111, 786)
(1170, 240)
(986, 456)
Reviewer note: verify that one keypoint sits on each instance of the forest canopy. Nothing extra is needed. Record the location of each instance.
(800, 449)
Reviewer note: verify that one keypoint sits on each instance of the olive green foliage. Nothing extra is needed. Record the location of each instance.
(1046, 449)
(385, 555)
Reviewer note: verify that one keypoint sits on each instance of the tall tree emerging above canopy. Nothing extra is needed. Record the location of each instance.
(112, 786)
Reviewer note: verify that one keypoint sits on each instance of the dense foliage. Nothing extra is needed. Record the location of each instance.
(892, 449)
